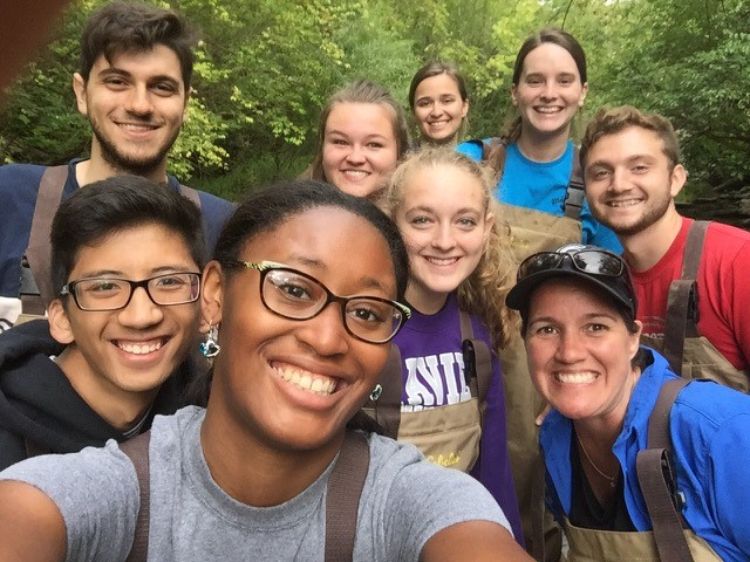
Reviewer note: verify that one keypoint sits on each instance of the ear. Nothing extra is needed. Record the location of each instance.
(188, 93)
(212, 295)
(677, 180)
(513, 98)
(79, 89)
(489, 221)
(635, 340)
(584, 92)
(465, 109)
(59, 323)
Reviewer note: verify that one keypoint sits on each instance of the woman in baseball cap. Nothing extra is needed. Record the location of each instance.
(640, 464)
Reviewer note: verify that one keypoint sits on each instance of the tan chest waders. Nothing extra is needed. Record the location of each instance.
(447, 435)
(36, 277)
(670, 540)
(690, 354)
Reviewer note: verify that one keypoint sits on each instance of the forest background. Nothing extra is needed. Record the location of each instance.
(265, 68)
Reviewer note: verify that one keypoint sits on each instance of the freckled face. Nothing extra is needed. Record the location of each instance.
(359, 147)
(266, 376)
(579, 351)
(445, 226)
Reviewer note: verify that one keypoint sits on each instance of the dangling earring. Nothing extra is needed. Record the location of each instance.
(376, 392)
(208, 347)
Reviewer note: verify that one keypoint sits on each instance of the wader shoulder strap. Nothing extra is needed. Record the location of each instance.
(38, 251)
(386, 408)
(493, 155)
(477, 361)
(342, 497)
(137, 451)
(682, 301)
(657, 480)
(575, 194)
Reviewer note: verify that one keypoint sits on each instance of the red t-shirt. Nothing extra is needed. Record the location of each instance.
(723, 290)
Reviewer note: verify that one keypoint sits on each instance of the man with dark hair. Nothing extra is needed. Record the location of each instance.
(690, 277)
(133, 86)
(122, 322)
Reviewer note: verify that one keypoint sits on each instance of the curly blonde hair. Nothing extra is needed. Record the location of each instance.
(483, 292)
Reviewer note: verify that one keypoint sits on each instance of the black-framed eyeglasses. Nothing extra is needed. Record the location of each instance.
(105, 293)
(296, 295)
(596, 262)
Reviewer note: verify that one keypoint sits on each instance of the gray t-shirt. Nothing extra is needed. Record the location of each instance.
(405, 501)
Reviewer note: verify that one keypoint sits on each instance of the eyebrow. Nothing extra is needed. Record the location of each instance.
(589, 316)
(367, 281)
(115, 273)
(426, 209)
(629, 160)
(114, 71)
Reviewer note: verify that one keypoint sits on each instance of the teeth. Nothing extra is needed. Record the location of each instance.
(306, 381)
(548, 109)
(139, 348)
(575, 378)
(623, 203)
(356, 173)
(442, 261)
(136, 127)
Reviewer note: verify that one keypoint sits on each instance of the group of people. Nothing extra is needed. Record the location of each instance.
(353, 365)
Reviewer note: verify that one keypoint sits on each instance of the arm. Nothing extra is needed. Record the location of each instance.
(478, 541)
(31, 527)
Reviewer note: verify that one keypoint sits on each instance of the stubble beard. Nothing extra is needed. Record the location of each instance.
(648, 219)
(144, 166)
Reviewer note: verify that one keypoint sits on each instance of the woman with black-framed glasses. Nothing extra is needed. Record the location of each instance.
(640, 464)
(297, 317)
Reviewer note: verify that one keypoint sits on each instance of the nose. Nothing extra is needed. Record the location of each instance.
(356, 155)
(139, 101)
(444, 238)
(549, 90)
(620, 181)
(325, 333)
(570, 348)
(141, 311)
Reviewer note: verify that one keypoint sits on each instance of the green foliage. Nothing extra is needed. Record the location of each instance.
(264, 68)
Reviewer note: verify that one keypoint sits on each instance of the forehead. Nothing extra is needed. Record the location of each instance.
(435, 85)
(160, 60)
(361, 119)
(549, 58)
(457, 188)
(631, 142)
(569, 297)
(343, 250)
(158, 247)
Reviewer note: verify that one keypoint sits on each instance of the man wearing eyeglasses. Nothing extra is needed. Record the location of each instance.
(126, 262)
(690, 277)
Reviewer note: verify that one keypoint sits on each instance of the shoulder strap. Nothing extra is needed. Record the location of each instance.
(34, 449)
(657, 481)
(38, 251)
(342, 497)
(137, 451)
(682, 301)
(387, 407)
(575, 194)
(477, 361)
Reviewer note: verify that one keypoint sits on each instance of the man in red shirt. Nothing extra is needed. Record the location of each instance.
(692, 279)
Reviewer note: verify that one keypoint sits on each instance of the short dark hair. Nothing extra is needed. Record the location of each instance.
(436, 68)
(122, 27)
(362, 91)
(267, 209)
(114, 204)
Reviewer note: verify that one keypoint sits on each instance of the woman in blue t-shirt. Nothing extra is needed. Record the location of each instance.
(535, 157)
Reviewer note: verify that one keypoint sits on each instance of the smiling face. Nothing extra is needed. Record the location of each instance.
(630, 182)
(438, 108)
(134, 349)
(359, 147)
(579, 351)
(443, 219)
(549, 91)
(294, 384)
(135, 104)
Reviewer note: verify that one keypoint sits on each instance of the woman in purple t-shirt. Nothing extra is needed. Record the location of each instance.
(452, 403)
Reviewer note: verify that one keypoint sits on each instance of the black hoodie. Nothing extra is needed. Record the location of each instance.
(39, 407)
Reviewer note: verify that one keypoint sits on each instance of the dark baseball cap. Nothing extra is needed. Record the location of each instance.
(596, 265)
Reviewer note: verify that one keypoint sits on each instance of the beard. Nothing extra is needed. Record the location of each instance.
(650, 216)
(135, 165)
